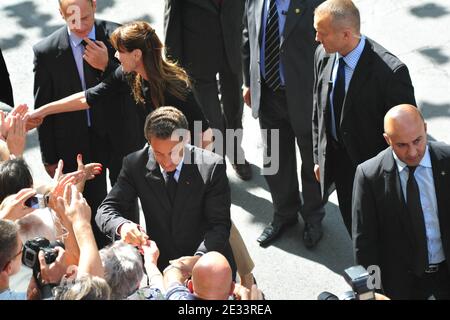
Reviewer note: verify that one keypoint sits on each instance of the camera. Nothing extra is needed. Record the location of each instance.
(38, 201)
(31, 250)
(358, 278)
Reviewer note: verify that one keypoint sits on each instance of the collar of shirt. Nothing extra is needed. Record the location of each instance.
(177, 171)
(75, 40)
(425, 162)
(351, 59)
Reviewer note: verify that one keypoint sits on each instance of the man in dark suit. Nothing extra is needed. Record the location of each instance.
(278, 56)
(401, 206)
(356, 82)
(183, 190)
(64, 65)
(204, 36)
(6, 93)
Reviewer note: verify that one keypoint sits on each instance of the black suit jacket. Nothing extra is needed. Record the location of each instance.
(6, 94)
(382, 231)
(296, 54)
(380, 82)
(200, 219)
(65, 135)
(198, 33)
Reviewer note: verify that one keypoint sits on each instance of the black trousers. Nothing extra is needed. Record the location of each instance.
(343, 172)
(224, 112)
(95, 190)
(283, 185)
(94, 148)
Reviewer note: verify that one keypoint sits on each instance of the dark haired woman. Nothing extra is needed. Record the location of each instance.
(144, 81)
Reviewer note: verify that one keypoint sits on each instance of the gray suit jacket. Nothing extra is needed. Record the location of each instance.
(297, 56)
(200, 217)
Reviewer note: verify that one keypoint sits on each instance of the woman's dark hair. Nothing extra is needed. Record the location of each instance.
(163, 75)
(14, 176)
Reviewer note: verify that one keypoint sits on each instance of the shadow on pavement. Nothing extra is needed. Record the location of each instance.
(429, 10)
(105, 4)
(11, 42)
(433, 110)
(27, 16)
(436, 55)
(334, 251)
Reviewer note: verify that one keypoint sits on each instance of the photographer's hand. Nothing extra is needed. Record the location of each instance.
(33, 292)
(53, 272)
(14, 208)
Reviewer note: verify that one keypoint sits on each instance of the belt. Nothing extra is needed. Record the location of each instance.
(433, 268)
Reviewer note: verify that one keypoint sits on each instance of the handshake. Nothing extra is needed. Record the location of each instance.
(134, 235)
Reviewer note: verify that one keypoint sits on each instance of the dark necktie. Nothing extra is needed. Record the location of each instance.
(91, 75)
(171, 186)
(91, 79)
(339, 95)
(416, 214)
(272, 48)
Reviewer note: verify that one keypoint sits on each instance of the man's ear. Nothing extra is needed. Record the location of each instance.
(7, 268)
(386, 138)
(190, 286)
(347, 34)
(94, 5)
(61, 13)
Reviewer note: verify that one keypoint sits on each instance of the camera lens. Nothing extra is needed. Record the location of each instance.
(327, 296)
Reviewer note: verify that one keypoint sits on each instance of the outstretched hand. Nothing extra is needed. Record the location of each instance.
(89, 170)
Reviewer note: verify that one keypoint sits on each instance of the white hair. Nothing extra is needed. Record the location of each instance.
(123, 269)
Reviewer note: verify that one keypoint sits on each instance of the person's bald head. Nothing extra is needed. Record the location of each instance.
(212, 277)
(406, 132)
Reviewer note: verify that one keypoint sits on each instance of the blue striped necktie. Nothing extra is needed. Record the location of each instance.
(272, 48)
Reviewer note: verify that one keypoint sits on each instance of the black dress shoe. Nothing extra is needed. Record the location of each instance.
(270, 233)
(312, 234)
(243, 170)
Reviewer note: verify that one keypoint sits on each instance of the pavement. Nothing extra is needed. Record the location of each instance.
(415, 30)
